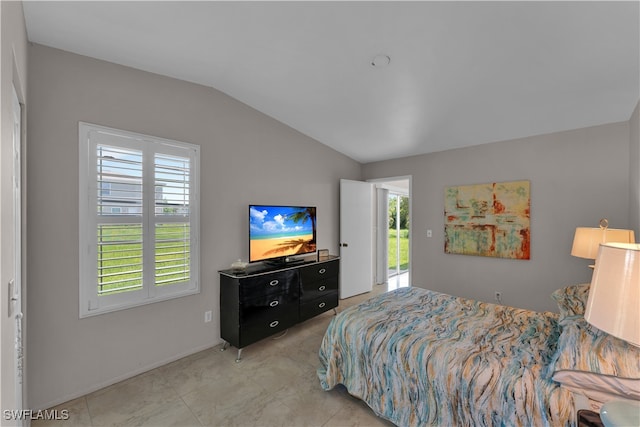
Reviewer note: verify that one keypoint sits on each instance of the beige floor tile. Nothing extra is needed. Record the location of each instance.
(357, 417)
(262, 412)
(276, 371)
(173, 413)
(188, 374)
(275, 384)
(76, 415)
(354, 413)
(318, 325)
(258, 350)
(220, 401)
(304, 349)
(309, 404)
(133, 401)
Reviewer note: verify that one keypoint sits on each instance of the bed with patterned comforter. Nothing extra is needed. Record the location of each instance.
(419, 357)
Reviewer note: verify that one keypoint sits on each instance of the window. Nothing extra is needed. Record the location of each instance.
(139, 219)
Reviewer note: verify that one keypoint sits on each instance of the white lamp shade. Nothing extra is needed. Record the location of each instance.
(587, 240)
(614, 297)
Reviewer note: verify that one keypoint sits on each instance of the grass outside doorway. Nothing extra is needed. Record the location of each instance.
(404, 249)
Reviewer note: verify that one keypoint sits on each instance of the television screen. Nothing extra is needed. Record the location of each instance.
(281, 231)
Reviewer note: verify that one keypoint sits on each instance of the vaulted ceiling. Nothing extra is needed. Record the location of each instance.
(458, 73)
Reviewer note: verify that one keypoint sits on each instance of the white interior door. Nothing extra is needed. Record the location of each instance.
(356, 237)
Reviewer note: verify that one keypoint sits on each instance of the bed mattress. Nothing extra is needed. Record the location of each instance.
(419, 357)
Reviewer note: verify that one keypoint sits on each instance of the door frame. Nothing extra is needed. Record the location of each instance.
(16, 296)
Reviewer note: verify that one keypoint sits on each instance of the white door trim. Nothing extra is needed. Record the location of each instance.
(15, 288)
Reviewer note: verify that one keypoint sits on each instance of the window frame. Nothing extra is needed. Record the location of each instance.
(90, 136)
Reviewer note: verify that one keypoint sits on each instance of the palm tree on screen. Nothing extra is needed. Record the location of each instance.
(300, 245)
(302, 215)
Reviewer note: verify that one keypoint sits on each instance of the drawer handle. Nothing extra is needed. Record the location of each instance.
(321, 305)
(274, 303)
(274, 282)
(322, 270)
(273, 324)
(322, 288)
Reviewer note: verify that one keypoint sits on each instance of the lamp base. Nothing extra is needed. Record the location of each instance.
(619, 413)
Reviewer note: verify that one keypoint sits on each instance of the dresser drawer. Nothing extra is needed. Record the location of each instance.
(267, 325)
(312, 290)
(263, 308)
(316, 272)
(319, 305)
(282, 282)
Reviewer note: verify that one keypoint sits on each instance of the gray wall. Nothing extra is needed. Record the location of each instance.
(13, 52)
(634, 171)
(577, 177)
(247, 157)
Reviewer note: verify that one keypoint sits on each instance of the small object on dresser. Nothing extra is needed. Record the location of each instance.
(323, 254)
(239, 266)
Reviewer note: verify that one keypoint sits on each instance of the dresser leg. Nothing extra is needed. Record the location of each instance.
(224, 346)
(335, 311)
(238, 360)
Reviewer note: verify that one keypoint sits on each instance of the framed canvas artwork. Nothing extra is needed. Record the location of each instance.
(488, 220)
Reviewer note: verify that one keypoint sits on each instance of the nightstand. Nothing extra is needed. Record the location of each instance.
(588, 418)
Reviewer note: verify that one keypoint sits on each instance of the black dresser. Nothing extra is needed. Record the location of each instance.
(264, 300)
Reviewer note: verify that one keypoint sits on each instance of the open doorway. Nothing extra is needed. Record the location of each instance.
(398, 234)
(393, 241)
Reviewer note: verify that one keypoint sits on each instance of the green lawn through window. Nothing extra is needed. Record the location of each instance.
(120, 262)
(404, 249)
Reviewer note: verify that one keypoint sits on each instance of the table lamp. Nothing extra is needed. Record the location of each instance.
(586, 240)
(613, 307)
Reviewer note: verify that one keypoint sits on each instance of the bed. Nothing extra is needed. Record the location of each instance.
(419, 357)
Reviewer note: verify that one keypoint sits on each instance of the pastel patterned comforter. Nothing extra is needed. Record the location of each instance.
(419, 357)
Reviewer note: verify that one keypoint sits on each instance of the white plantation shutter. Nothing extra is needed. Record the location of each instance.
(119, 203)
(139, 219)
(172, 232)
(119, 257)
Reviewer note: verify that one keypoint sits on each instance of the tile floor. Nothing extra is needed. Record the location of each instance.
(275, 384)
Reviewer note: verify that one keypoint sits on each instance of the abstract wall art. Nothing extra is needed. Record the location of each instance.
(488, 220)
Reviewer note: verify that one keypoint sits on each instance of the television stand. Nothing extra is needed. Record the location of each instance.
(263, 301)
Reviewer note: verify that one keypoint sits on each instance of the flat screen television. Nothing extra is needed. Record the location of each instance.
(277, 233)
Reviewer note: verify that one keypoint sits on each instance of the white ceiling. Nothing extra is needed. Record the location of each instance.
(461, 73)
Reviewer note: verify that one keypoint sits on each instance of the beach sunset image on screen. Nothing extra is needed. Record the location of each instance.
(281, 231)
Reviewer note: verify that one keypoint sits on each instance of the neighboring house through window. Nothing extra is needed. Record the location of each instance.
(139, 219)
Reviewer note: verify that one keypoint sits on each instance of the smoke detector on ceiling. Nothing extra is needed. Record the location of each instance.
(380, 61)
